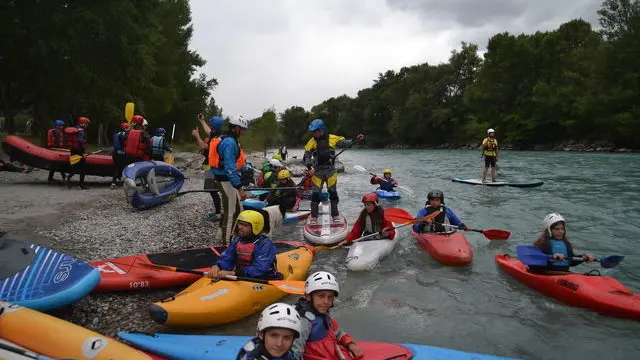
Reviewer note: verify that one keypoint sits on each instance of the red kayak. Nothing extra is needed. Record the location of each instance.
(29, 154)
(125, 273)
(602, 294)
(448, 249)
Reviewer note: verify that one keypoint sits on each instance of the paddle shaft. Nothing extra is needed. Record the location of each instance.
(16, 350)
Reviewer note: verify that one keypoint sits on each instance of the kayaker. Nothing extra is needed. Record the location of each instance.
(266, 168)
(250, 252)
(387, 183)
(371, 220)
(278, 327)
(287, 199)
(226, 159)
(321, 337)
(136, 141)
(490, 153)
(55, 140)
(77, 142)
(214, 129)
(435, 202)
(319, 158)
(158, 145)
(270, 179)
(553, 241)
(118, 156)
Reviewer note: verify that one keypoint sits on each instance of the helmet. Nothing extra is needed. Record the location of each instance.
(239, 121)
(83, 120)
(144, 122)
(387, 171)
(435, 194)
(491, 131)
(317, 124)
(124, 126)
(160, 131)
(266, 167)
(551, 219)
(275, 163)
(280, 315)
(137, 119)
(254, 218)
(321, 280)
(277, 156)
(216, 123)
(284, 174)
(370, 197)
(58, 123)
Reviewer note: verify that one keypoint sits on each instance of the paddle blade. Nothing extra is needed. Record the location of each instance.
(611, 261)
(397, 215)
(128, 111)
(360, 168)
(495, 234)
(289, 286)
(531, 255)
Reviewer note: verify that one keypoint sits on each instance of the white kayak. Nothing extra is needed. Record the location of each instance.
(325, 231)
(365, 254)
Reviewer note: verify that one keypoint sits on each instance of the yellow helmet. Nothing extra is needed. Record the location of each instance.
(387, 171)
(277, 156)
(284, 174)
(254, 218)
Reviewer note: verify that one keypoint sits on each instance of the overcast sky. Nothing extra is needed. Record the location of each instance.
(300, 52)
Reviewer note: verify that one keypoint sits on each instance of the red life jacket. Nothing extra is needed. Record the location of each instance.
(324, 343)
(51, 138)
(72, 137)
(244, 254)
(135, 145)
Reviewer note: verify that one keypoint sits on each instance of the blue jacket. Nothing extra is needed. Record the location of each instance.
(253, 350)
(453, 219)
(263, 264)
(228, 150)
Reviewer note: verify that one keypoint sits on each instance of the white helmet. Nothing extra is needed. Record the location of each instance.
(275, 162)
(551, 219)
(321, 280)
(491, 131)
(144, 122)
(239, 121)
(280, 315)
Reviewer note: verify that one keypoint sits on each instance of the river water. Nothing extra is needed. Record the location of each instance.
(411, 298)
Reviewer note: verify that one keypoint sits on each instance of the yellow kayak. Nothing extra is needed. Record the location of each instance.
(207, 303)
(53, 337)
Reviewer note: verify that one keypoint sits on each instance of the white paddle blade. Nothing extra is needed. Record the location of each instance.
(360, 168)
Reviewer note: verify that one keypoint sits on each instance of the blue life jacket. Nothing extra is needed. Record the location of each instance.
(157, 145)
(118, 138)
(559, 247)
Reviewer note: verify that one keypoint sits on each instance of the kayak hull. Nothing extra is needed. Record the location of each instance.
(325, 231)
(364, 255)
(254, 203)
(212, 347)
(389, 195)
(602, 294)
(435, 353)
(151, 183)
(451, 249)
(208, 303)
(290, 217)
(523, 184)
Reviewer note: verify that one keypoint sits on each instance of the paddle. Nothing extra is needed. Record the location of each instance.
(170, 157)
(288, 286)
(74, 159)
(128, 111)
(363, 170)
(25, 353)
(532, 255)
(400, 215)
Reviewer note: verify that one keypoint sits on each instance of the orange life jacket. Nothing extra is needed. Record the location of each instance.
(215, 160)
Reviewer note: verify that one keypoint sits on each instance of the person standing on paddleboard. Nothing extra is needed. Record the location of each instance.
(214, 129)
(54, 140)
(435, 202)
(554, 241)
(77, 142)
(226, 159)
(319, 158)
(490, 153)
(278, 327)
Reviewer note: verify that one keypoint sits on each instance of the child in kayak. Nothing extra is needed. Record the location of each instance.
(321, 337)
(287, 199)
(435, 202)
(278, 327)
(250, 253)
(371, 220)
(553, 241)
(387, 183)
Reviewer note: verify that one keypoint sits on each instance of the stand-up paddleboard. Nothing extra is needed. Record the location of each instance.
(325, 231)
(522, 184)
(41, 278)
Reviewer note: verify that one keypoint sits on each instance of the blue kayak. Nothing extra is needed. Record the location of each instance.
(42, 279)
(324, 195)
(151, 183)
(254, 203)
(390, 195)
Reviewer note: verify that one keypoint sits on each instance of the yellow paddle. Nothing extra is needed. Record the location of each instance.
(128, 111)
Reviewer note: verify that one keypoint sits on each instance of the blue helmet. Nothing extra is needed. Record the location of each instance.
(317, 124)
(58, 123)
(216, 123)
(160, 131)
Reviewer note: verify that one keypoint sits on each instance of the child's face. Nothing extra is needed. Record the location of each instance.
(387, 175)
(557, 231)
(243, 228)
(277, 341)
(369, 206)
(322, 300)
(283, 181)
(435, 202)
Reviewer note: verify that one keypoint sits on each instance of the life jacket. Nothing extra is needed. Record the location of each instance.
(324, 153)
(215, 160)
(490, 146)
(441, 218)
(157, 145)
(559, 247)
(134, 144)
(386, 184)
(118, 140)
(54, 138)
(324, 337)
(308, 183)
(254, 350)
(244, 253)
(73, 138)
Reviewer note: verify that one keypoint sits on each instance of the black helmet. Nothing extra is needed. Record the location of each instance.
(435, 194)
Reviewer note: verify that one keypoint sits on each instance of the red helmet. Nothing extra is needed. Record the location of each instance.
(124, 126)
(83, 120)
(370, 197)
(137, 119)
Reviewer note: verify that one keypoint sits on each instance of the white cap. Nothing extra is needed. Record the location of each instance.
(280, 315)
(239, 121)
(551, 219)
(321, 280)
(491, 131)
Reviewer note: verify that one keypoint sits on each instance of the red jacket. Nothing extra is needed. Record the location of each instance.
(358, 229)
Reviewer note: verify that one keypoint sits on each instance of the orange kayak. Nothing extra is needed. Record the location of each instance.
(449, 249)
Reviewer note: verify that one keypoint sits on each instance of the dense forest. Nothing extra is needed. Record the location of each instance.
(568, 85)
